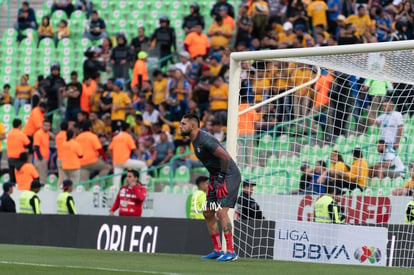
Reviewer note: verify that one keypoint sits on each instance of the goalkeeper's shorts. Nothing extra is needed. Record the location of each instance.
(233, 184)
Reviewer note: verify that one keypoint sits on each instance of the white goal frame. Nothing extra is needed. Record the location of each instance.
(235, 71)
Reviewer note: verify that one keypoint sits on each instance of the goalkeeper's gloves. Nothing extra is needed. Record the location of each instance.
(210, 186)
(220, 185)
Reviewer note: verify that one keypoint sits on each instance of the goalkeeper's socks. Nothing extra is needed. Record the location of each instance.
(216, 241)
(229, 242)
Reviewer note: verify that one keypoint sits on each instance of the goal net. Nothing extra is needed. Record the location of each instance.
(304, 123)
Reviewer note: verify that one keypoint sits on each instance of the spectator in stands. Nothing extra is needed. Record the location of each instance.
(408, 188)
(96, 28)
(140, 78)
(5, 96)
(16, 144)
(383, 25)
(193, 19)
(65, 5)
(400, 30)
(298, 15)
(201, 90)
(406, 15)
(52, 88)
(306, 178)
(184, 65)
(223, 12)
(26, 18)
(218, 131)
(244, 26)
(164, 151)
(160, 88)
(45, 29)
(92, 151)
(179, 91)
(362, 23)
(41, 149)
(7, 204)
(122, 145)
(120, 104)
(144, 154)
(216, 8)
(259, 12)
(29, 201)
(389, 164)
(25, 172)
(105, 50)
(220, 34)
(92, 66)
(71, 155)
(151, 114)
(303, 38)
(333, 176)
(62, 31)
(23, 94)
(140, 43)
(85, 6)
(334, 11)
(317, 10)
(247, 207)
(73, 93)
(218, 97)
(164, 39)
(120, 58)
(391, 124)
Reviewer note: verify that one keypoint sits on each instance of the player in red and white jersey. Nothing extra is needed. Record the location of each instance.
(130, 197)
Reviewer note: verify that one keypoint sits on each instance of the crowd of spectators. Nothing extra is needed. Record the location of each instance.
(152, 102)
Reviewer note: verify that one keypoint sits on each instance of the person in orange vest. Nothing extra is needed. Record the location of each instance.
(71, 155)
(139, 74)
(88, 88)
(16, 144)
(41, 149)
(59, 140)
(196, 42)
(34, 123)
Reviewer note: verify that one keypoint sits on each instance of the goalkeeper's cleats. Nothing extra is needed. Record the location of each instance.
(227, 257)
(213, 255)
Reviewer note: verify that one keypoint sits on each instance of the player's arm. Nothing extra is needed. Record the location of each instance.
(398, 137)
(224, 159)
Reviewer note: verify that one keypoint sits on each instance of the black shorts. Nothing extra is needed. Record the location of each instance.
(233, 184)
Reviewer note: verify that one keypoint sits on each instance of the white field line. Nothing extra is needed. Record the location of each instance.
(89, 268)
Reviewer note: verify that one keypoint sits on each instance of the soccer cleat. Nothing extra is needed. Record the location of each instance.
(227, 257)
(213, 255)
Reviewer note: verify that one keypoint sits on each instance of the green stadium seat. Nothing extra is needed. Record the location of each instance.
(165, 175)
(4, 178)
(27, 43)
(7, 118)
(25, 110)
(77, 15)
(52, 180)
(140, 5)
(182, 175)
(56, 17)
(103, 5)
(167, 189)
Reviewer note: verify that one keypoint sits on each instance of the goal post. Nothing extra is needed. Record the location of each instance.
(348, 122)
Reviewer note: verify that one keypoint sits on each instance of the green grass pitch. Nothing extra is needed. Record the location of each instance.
(16, 259)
